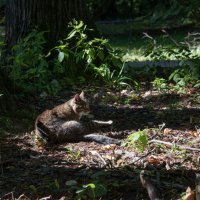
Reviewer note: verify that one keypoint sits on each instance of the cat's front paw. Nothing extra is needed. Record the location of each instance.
(110, 122)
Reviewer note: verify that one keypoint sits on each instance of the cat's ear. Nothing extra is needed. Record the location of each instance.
(77, 98)
(82, 95)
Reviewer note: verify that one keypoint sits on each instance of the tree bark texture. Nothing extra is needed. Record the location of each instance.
(51, 16)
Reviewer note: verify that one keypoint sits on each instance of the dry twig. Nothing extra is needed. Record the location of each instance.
(171, 144)
(146, 183)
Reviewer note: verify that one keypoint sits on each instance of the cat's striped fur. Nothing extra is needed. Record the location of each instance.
(62, 124)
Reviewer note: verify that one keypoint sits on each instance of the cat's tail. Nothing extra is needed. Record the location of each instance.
(101, 139)
(41, 131)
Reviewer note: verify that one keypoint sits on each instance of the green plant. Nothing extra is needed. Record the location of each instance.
(75, 155)
(138, 140)
(113, 78)
(85, 57)
(160, 84)
(30, 70)
(188, 73)
(91, 191)
(196, 98)
(76, 59)
(33, 188)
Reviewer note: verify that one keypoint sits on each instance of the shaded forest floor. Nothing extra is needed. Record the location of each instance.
(171, 122)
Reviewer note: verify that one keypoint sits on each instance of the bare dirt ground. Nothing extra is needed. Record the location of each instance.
(170, 159)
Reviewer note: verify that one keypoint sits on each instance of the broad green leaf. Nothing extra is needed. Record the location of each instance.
(79, 25)
(90, 185)
(101, 55)
(71, 34)
(61, 56)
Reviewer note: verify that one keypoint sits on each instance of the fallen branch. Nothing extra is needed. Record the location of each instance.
(146, 183)
(23, 197)
(95, 153)
(197, 188)
(46, 198)
(171, 144)
(9, 194)
(140, 158)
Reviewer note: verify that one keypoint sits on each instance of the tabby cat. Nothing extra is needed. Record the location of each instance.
(63, 124)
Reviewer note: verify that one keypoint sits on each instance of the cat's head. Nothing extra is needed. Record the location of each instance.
(80, 104)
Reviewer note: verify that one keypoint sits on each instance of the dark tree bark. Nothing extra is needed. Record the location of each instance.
(47, 15)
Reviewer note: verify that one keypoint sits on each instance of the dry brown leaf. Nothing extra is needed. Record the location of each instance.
(108, 147)
(167, 131)
(190, 195)
(193, 133)
(153, 160)
(119, 163)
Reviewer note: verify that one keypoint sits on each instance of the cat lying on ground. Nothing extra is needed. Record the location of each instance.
(63, 124)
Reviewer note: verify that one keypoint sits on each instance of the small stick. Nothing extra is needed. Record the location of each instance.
(140, 158)
(22, 197)
(99, 156)
(10, 193)
(46, 198)
(170, 145)
(146, 183)
(197, 188)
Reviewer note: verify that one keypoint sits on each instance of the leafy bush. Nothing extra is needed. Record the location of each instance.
(88, 58)
(187, 52)
(160, 84)
(30, 70)
(75, 60)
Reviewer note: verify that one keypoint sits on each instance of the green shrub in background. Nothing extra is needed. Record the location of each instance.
(74, 61)
(188, 52)
(85, 58)
(29, 68)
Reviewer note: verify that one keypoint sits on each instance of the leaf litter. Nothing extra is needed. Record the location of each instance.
(170, 159)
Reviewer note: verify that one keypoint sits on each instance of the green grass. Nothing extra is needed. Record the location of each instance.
(133, 47)
(132, 43)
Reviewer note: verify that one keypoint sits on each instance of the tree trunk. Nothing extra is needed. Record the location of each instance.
(51, 16)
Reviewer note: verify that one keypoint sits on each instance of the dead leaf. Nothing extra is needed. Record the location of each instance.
(190, 195)
(146, 94)
(167, 131)
(119, 163)
(153, 160)
(108, 147)
(193, 133)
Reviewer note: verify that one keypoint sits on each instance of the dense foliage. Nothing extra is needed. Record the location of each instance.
(187, 52)
(155, 10)
(75, 60)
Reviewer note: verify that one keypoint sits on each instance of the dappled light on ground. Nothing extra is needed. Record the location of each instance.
(170, 158)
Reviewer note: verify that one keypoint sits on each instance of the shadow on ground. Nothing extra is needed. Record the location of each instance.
(126, 118)
(39, 174)
(26, 171)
